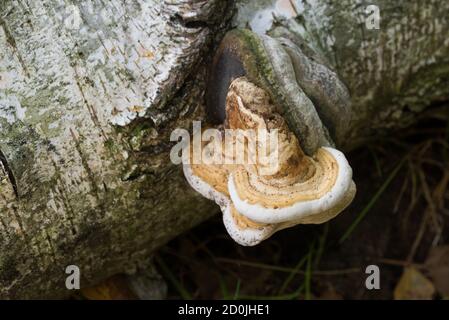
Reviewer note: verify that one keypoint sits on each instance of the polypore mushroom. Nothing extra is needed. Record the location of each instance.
(255, 83)
(258, 198)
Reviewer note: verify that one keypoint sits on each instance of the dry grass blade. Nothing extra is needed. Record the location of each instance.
(289, 270)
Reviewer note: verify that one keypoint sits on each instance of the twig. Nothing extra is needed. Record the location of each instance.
(289, 270)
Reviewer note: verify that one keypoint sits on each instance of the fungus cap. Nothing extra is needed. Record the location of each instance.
(300, 189)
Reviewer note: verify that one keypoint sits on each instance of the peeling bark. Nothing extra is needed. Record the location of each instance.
(86, 115)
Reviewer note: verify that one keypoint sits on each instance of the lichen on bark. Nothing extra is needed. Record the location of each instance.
(72, 99)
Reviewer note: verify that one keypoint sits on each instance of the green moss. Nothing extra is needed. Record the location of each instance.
(257, 64)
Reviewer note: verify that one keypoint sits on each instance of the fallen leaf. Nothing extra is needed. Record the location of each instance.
(413, 285)
(437, 265)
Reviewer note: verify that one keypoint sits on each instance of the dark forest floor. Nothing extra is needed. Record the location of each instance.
(399, 215)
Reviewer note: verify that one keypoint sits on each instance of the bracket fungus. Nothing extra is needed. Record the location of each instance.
(291, 174)
(281, 186)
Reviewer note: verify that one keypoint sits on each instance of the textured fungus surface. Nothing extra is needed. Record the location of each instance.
(260, 197)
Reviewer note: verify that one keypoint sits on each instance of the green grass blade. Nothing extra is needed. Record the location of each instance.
(373, 200)
(292, 274)
(223, 288)
(321, 245)
(308, 275)
(376, 162)
(172, 279)
(237, 290)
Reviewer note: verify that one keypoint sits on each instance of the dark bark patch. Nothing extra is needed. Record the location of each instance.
(9, 172)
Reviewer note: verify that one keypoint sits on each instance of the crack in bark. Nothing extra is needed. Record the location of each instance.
(193, 24)
(10, 173)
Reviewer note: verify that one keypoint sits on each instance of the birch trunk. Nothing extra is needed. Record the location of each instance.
(91, 90)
